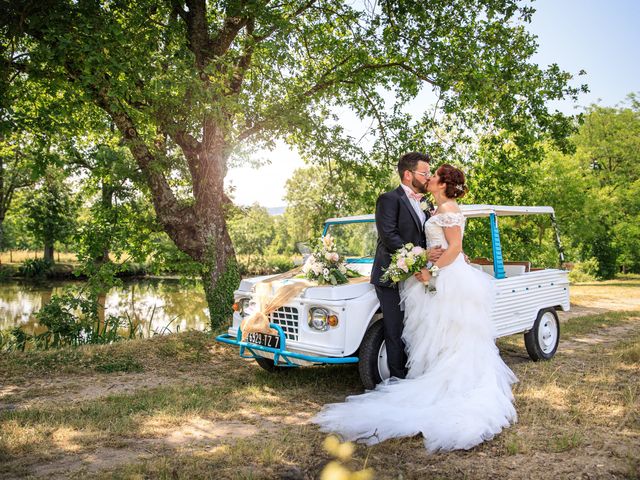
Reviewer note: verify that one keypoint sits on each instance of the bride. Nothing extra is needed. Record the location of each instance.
(457, 393)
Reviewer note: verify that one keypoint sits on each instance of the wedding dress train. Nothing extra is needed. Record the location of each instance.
(457, 393)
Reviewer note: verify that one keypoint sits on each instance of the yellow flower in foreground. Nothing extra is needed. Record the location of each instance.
(331, 444)
(335, 470)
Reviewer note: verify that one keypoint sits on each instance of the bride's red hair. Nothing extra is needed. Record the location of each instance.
(454, 179)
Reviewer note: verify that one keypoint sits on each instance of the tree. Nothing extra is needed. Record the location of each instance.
(608, 146)
(118, 220)
(316, 193)
(14, 174)
(252, 230)
(593, 189)
(51, 212)
(211, 80)
(18, 147)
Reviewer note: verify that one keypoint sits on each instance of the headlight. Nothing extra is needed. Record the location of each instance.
(318, 319)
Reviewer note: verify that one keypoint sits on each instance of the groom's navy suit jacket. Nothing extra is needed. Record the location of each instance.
(397, 224)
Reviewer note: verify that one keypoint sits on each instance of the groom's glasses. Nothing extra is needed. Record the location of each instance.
(425, 175)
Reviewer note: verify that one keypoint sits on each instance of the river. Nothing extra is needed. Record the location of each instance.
(157, 305)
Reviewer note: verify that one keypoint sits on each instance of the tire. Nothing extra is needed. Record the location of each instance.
(543, 338)
(268, 365)
(373, 367)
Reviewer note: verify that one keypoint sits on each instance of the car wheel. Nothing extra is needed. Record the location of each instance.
(268, 365)
(373, 366)
(543, 338)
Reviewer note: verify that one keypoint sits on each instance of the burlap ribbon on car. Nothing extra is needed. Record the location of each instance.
(269, 301)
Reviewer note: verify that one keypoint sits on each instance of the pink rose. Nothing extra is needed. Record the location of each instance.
(403, 265)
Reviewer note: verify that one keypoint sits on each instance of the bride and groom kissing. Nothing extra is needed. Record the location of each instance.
(448, 381)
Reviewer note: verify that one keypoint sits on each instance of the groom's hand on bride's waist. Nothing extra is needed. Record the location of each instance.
(435, 253)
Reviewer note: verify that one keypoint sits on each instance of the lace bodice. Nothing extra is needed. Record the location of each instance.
(433, 228)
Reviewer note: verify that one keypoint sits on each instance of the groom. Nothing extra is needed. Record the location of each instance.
(400, 218)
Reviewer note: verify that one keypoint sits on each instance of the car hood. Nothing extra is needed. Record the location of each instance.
(322, 292)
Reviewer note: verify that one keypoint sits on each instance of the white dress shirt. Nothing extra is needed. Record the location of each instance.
(415, 204)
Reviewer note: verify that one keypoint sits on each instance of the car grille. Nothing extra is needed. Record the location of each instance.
(287, 318)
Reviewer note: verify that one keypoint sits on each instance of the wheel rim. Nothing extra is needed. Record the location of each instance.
(548, 332)
(383, 366)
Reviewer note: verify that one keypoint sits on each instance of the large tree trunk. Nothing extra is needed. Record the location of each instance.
(220, 275)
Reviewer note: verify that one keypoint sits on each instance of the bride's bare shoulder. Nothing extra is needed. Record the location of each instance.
(449, 207)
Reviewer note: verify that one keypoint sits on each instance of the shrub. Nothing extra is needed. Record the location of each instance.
(586, 271)
(35, 268)
(251, 265)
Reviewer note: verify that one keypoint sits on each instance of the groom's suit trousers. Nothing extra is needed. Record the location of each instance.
(393, 319)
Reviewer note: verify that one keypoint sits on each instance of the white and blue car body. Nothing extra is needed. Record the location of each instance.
(341, 324)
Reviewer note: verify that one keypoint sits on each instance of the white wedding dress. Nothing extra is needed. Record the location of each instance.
(458, 390)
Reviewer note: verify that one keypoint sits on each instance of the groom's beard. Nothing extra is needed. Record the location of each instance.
(419, 187)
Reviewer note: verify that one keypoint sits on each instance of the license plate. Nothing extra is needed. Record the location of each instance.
(264, 339)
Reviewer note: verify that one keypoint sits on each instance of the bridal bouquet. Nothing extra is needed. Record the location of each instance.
(405, 262)
(326, 266)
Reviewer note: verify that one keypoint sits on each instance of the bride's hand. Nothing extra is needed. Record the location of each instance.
(423, 275)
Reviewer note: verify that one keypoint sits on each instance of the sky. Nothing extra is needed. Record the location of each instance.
(601, 37)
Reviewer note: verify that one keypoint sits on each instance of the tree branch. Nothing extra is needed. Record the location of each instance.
(380, 122)
(198, 40)
(323, 85)
(171, 214)
(245, 59)
(227, 34)
(273, 29)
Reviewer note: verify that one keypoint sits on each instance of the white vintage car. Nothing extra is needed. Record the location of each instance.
(341, 324)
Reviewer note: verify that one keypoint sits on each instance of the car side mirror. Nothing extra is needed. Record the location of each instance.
(304, 249)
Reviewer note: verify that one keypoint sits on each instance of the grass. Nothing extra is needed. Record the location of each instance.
(591, 323)
(622, 293)
(576, 412)
(131, 355)
(19, 256)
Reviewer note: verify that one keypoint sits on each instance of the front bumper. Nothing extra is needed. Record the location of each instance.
(281, 356)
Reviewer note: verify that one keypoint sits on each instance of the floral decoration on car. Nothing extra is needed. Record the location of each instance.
(326, 266)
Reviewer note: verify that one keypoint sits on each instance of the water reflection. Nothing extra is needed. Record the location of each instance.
(160, 306)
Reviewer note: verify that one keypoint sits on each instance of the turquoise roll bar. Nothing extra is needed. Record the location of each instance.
(498, 261)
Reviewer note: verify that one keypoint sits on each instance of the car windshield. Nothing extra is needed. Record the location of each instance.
(356, 239)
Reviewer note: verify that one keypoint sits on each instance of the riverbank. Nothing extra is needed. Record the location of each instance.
(183, 406)
(28, 265)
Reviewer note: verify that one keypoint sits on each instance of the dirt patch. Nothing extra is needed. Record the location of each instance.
(197, 434)
(603, 337)
(581, 311)
(612, 296)
(79, 388)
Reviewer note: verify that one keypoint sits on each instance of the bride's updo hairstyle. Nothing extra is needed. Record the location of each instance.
(454, 179)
